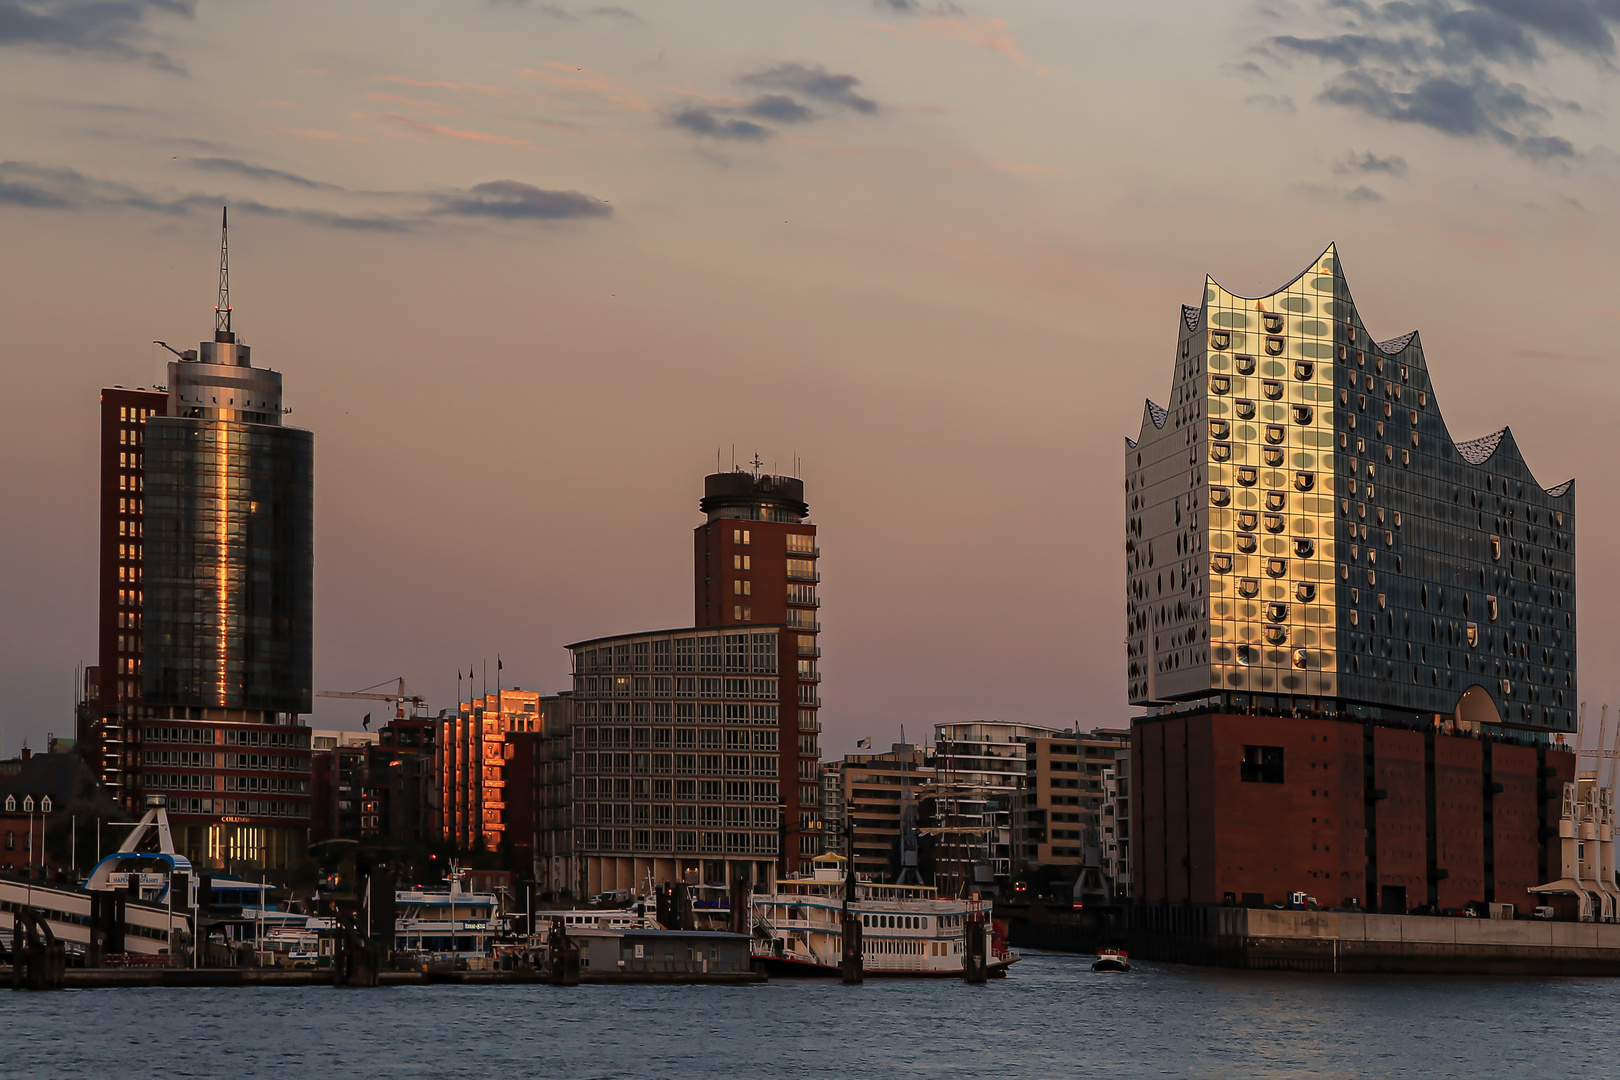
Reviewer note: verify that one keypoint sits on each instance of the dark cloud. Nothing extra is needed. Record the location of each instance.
(813, 81)
(1280, 102)
(1458, 67)
(108, 29)
(258, 172)
(514, 200)
(1362, 194)
(778, 107)
(706, 122)
(28, 186)
(1574, 24)
(612, 12)
(1369, 162)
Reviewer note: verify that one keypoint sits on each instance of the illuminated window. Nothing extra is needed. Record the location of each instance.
(1473, 635)
(1496, 547)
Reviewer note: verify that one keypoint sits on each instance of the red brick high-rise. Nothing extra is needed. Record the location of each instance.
(113, 690)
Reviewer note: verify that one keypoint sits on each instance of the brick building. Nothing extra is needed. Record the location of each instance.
(1063, 794)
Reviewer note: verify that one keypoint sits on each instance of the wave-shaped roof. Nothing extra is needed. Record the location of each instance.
(1396, 344)
(1160, 413)
(1192, 316)
(1478, 451)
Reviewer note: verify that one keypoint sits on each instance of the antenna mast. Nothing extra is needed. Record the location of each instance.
(222, 309)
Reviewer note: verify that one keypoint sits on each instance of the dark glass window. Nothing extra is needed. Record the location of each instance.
(1262, 765)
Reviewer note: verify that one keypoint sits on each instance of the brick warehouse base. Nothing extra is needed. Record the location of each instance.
(1244, 809)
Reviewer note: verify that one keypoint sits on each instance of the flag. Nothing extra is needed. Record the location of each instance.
(498, 664)
(863, 744)
(366, 723)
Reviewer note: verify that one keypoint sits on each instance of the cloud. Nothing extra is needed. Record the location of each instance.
(813, 81)
(26, 186)
(1369, 162)
(949, 21)
(778, 107)
(1362, 194)
(1462, 68)
(105, 29)
(705, 122)
(258, 172)
(399, 120)
(611, 13)
(1280, 102)
(514, 200)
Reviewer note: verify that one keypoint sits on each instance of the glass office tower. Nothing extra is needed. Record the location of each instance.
(1305, 536)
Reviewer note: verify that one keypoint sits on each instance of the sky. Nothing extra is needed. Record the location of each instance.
(530, 269)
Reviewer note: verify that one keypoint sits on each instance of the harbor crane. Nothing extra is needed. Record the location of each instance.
(400, 698)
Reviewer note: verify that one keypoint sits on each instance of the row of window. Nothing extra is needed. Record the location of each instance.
(689, 654)
(707, 790)
(658, 686)
(709, 712)
(657, 840)
(639, 738)
(688, 764)
(733, 816)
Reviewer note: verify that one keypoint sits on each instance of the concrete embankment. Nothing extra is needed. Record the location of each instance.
(1351, 942)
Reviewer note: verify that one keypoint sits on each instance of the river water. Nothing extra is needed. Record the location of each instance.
(1051, 1018)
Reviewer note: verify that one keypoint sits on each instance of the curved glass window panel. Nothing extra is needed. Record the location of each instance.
(1221, 564)
(1276, 635)
(1274, 346)
(1220, 339)
(1246, 474)
(1220, 384)
(1245, 409)
(1277, 567)
(1303, 414)
(1247, 520)
(1305, 592)
(1304, 547)
(1275, 433)
(1247, 543)
(1273, 456)
(1249, 587)
(1220, 496)
(1277, 612)
(1220, 429)
(1276, 523)
(1301, 658)
(1245, 365)
(1276, 500)
(1303, 370)
(1304, 481)
(1220, 451)
(1273, 389)
(1273, 322)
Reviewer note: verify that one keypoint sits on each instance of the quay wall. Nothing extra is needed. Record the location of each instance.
(1351, 942)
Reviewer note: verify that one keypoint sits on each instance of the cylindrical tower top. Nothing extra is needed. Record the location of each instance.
(754, 497)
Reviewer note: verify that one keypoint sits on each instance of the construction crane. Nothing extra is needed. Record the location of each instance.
(399, 697)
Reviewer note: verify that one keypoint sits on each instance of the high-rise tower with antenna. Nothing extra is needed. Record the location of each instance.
(220, 605)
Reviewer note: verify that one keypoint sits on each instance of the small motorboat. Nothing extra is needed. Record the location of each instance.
(1111, 960)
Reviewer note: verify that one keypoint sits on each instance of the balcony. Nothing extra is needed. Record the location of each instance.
(801, 575)
(809, 676)
(813, 651)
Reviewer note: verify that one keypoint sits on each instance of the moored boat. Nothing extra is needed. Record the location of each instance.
(906, 930)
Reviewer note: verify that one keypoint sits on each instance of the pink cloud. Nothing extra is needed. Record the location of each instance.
(417, 103)
(584, 80)
(453, 133)
(984, 31)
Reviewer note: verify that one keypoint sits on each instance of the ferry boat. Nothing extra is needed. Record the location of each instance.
(447, 923)
(1111, 960)
(906, 930)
